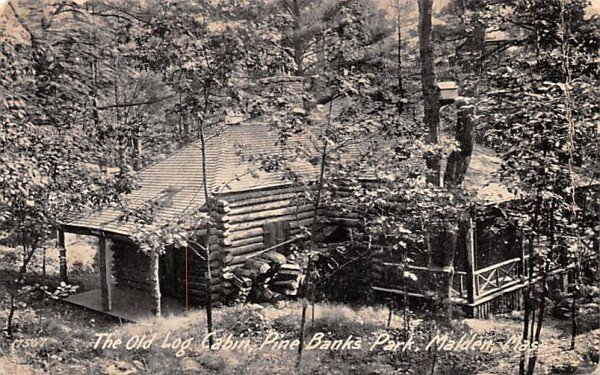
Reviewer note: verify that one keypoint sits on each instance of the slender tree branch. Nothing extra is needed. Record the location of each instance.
(124, 105)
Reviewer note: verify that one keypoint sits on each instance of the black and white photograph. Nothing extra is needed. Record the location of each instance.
(289, 187)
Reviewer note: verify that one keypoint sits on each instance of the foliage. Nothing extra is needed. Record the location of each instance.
(154, 234)
(48, 87)
(195, 59)
(121, 83)
(247, 321)
(540, 116)
(535, 103)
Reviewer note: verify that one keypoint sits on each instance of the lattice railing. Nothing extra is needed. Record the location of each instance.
(459, 285)
(483, 283)
(497, 276)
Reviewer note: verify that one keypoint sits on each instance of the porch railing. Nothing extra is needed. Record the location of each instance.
(497, 276)
(459, 283)
(482, 283)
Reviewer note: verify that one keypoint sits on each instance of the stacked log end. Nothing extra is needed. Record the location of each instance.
(249, 226)
(219, 250)
(269, 277)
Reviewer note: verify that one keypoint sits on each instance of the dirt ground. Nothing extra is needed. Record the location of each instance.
(54, 337)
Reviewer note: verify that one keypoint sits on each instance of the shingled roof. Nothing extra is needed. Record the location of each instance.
(229, 169)
(232, 167)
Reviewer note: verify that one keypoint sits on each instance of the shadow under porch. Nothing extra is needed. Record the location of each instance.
(135, 285)
(127, 304)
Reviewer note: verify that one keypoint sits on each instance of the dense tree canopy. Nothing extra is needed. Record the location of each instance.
(95, 90)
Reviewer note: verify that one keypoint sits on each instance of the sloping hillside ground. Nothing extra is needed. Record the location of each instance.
(58, 338)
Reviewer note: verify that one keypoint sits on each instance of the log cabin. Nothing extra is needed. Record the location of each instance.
(254, 211)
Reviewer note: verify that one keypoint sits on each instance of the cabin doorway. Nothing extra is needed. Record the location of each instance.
(172, 266)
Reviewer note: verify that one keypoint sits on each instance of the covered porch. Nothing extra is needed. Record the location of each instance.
(126, 304)
(479, 291)
(129, 283)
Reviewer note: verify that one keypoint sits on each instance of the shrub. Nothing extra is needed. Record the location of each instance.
(342, 321)
(287, 324)
(244, 321)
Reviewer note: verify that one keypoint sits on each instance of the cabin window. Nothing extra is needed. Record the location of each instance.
(275, 233)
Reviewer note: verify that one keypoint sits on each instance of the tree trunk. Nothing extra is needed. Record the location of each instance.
(573, 318)
(298, 43)
(62, 255)
(11, 315)
(431, 105)
(136, 150)
(186, 291)
(473, 50)
(442, 249)
(156, 296)
(527, 300)
(309, 288)
(44, 264)
(399, 47)
(209, 301)
(470, 265)
(105, 290)
(301, 334)
(458, 161)
(209, 205)
(15, 289)
(545, 271)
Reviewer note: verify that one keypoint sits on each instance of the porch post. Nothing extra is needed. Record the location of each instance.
(62, 255)
(522, 269)
(104, 276)
(470, 266)
(155, 278)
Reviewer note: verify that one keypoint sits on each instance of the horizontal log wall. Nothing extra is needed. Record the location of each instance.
(196, 278)
(246, 215)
